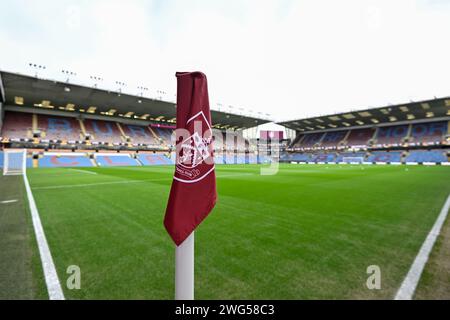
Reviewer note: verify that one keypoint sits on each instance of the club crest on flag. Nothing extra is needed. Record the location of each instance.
(195, 154)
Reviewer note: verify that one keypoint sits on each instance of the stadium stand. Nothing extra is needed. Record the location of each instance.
(392, 135)
(310, 140)
(139, 134)
(164, 134)
(426, 156)
(107, 160)
(17, 125)
(70, 160)
(230, 158)
(359, 137)
(324, 157)
(333, 139)
(59, 128)
(148, 159)
(385, 156)
(340, 157)
(434, 132)
(102, 131)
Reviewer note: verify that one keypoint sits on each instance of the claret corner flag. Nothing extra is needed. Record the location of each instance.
(193, 192)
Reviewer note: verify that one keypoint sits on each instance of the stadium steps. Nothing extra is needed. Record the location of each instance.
(123, 135)
(158, 138)
(83, 133)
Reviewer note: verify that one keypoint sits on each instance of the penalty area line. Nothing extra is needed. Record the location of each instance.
(51, 276)
(409, 285)
(83, 171)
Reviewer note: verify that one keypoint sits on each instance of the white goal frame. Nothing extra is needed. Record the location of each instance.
(18, 169)
(353, 160)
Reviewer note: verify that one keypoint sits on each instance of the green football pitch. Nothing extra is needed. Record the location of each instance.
(307, 232)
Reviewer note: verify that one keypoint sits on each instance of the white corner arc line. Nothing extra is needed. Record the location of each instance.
(409, 285)
(51, 277)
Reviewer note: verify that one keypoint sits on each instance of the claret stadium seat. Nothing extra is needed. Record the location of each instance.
(59, 128)
(111, 160)
(360, 137)
(385, 156)
(103, 131)
(150, 159)
(64, 160)
(433, 132)
(332, 139)
(139, 134)
(393, 135)
(17, 125)
(426, 156)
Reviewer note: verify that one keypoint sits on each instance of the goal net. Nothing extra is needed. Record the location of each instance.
(353, 160)
(14, 162)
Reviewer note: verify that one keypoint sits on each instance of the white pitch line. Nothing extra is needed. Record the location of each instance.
(411, 280)
(8, 201)
(51, 276)
(83, 171)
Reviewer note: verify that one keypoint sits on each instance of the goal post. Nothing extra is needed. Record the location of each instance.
(353, 160)
(14, 162)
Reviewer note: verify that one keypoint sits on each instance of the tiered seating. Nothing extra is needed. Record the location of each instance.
(332, 139)
(102, 131)
(64, 161)
(385, 156)
(59, 128)
(299, 157)
(17, 125)
(165, 135)
(342, 155)
(391, 135)
(310, 140)
(115, 160)
(139, 134)
(324, 157)
(148, 159)
(429, 132)
(359, 137)
(426, 156)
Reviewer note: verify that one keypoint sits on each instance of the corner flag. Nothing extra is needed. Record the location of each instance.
(193, 193)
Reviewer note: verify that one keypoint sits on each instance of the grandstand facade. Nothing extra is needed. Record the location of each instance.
(66, 125)
(416, 132)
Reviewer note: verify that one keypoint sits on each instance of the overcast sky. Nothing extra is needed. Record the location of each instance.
(290, 59)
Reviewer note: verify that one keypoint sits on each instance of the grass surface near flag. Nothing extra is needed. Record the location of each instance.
(308, 232)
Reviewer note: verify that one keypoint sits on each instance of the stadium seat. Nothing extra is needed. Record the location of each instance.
(17, 125)
(148, 159)
(59, 128)
(164, 134)
(332, 139)
(385, 156)
(115, 160)
(103, 131)
(340, 157)
(139, 134)
(391, 135)
(426, 156)
(359, 137)
(324, 157)
(64, 161)
(309, 140)
(429, 132)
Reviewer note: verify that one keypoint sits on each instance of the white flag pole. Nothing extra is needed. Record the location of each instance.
(184, 269)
